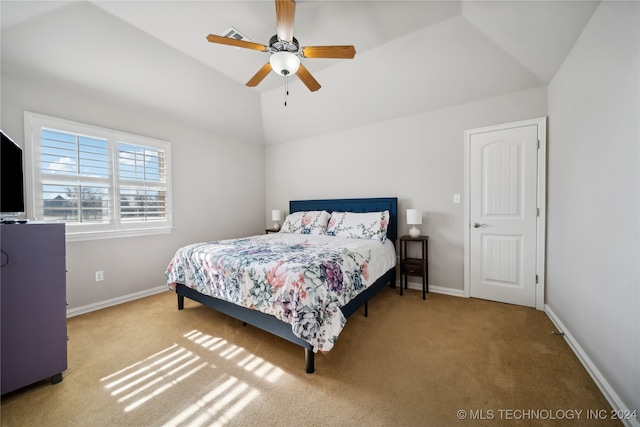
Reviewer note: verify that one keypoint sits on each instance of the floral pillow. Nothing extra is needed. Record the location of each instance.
(309, 222)
(369, 225)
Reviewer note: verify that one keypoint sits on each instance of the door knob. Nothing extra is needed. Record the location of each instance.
(476, 225)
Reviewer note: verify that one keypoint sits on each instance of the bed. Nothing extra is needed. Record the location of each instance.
(316, 304)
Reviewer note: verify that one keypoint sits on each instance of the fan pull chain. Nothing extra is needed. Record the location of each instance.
(286, 88)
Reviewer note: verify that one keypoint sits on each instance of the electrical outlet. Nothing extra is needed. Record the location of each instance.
(99, 276)
(456, 198)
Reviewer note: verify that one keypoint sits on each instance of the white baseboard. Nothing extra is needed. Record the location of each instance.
(446, 291)
(115, 301)
(609, 393)
(137, 295)
(435, 289)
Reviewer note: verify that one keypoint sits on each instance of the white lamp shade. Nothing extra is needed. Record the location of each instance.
(284, 63)
(276, 215)
(414, 216)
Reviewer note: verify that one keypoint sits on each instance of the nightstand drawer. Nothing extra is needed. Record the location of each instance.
(409, 266)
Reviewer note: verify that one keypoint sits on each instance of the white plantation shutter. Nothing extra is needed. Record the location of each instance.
(75, 177)
(143, 183)
(100, 182)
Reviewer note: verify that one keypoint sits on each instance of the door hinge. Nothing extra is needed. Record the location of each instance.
(538, 144)
(538, 212)
(536, 279)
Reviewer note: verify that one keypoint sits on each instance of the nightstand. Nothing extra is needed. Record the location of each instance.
(414, 266)
(271, 230)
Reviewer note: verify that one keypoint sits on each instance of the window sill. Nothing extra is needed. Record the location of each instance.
(98, 235)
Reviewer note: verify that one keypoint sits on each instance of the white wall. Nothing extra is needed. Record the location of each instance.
(84, 45)
(593, 277)
(419, 159)
(217, 182)
(416, 73)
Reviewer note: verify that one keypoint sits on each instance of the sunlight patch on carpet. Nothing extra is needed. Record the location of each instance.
(246, 360)
(143, 380)
(236, 377)
(219, 406)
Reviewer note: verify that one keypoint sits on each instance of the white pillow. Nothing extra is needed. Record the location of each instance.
(307, 222)
(368, 225)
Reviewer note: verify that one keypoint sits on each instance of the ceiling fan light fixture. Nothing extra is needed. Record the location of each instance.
(284, 63)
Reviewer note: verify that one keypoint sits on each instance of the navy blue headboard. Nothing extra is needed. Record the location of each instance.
(354, 205)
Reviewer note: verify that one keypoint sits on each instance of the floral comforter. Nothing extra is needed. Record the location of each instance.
(300, 279)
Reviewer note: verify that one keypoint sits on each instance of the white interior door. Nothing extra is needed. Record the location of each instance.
(503, 255)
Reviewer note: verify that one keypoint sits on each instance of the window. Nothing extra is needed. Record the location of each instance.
(100, 182)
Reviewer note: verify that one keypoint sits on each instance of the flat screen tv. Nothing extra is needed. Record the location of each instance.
(11, 177)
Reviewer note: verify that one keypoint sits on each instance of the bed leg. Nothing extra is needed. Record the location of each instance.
(366, 309)
(308, 358)
(180, 302)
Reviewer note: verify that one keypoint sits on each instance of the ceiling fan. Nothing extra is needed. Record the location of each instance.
(285, 50)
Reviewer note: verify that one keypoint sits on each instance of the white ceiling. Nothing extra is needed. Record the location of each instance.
(413, 56)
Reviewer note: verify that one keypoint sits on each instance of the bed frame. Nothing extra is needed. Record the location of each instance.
(281, 329)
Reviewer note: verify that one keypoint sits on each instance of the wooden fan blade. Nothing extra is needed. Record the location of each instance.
(285, 15)
(237, 43)
(341, 52)
(260, 75)
(308, 80)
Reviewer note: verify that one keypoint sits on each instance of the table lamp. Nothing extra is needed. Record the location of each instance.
(276, 216)
(414, 217)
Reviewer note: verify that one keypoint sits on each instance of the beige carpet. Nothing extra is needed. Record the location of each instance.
(410, 363)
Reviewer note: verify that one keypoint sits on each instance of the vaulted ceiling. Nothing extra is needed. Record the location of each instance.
(412, 56)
